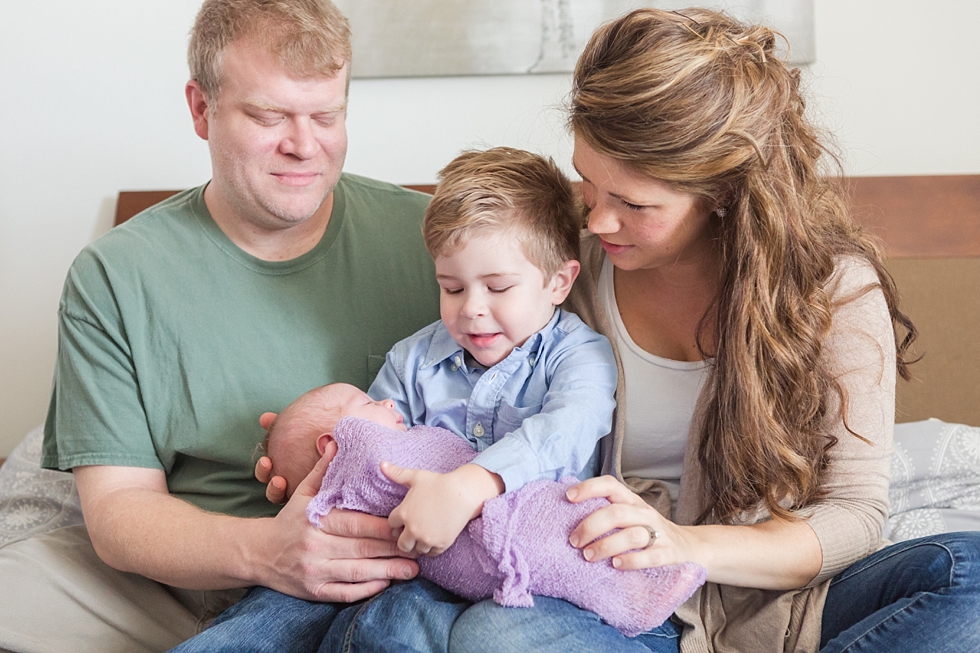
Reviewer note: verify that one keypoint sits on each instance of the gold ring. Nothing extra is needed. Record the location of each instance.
(654, 535)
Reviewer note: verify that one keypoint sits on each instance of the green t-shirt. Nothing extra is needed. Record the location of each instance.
(173, 341)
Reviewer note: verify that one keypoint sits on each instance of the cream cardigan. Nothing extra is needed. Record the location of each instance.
(848, 522)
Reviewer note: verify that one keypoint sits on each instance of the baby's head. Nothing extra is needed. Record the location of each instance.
(503, 229)
(301, 433)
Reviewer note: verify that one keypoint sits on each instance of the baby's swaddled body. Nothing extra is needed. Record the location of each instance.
(517, 547)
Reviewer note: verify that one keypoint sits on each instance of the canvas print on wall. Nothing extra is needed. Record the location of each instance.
(399, 38)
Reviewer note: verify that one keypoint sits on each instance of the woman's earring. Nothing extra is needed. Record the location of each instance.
(722, 211)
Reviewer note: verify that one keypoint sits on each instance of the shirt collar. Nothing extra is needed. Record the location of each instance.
(442, 345)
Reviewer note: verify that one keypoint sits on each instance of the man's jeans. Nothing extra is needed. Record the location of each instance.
(412, 616)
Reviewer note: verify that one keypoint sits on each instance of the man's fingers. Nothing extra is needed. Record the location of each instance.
(266, 420)
(263, 469)
(354, 580)
(275, 490)
(351, 524)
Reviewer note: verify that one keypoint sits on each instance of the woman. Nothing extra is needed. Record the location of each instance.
(755, 330)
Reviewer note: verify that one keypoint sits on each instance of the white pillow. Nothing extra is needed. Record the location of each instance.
(935, 480)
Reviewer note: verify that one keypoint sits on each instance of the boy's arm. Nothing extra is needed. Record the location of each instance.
(575, 414)
(438, 506)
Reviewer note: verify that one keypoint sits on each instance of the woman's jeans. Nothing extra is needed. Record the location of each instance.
(919, 595)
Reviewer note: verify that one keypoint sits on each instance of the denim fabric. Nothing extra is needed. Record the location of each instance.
(552, 625)
(265, 620)
(917, 595)
(410, 617)
(543, 408)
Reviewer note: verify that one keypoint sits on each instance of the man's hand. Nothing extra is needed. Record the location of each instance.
(438, 506)
(350, 557)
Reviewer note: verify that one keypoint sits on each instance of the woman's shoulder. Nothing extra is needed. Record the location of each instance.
(853, 278)
(591, 254)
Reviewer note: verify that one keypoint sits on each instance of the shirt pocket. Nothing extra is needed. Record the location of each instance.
(510, 418)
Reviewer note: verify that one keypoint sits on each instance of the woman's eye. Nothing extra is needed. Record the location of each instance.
(500, 290)
(452, 291)
(632, 207)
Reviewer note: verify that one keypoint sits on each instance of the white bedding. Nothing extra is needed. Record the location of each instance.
(34, 500)
(935, 485)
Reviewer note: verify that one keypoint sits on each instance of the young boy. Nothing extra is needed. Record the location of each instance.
(528, 385)
(516, 548)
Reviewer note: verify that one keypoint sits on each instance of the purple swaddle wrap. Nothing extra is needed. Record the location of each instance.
(518, 547)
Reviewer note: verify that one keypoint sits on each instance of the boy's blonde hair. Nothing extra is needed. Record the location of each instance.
(502, 189)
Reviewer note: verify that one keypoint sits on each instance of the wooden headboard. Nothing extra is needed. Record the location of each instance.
(931, 231)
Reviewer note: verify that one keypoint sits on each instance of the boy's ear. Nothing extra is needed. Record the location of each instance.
(322, 441)
(266, 420)
(561, 283)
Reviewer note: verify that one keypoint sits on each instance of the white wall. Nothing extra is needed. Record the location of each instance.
(91, 102)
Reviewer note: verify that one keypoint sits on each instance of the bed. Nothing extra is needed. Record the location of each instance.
(930, 227)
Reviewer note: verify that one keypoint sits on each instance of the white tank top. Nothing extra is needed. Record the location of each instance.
(660, 398)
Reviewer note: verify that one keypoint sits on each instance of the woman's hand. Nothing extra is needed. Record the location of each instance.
(644, 537)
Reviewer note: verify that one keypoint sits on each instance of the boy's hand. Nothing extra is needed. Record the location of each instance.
(438, 506)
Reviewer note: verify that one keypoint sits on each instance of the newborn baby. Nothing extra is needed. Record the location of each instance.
(517, 547)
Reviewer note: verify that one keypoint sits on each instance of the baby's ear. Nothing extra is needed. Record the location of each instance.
(323, 441)
(561, 283)
(266, 420)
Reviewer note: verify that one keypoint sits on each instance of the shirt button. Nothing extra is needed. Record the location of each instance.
(453, 367)
(478, 430)
(531, 361)
(458, 361)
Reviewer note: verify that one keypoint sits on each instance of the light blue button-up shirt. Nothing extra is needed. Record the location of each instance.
(536, 414)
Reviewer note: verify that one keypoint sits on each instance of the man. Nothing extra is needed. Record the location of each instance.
(178, 329)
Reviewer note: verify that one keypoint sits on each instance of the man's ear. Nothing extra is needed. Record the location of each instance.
(266, 420)
(198, 104)
(323, 441)
(561, 283)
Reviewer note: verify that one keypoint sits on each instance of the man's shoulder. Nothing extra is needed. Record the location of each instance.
(147, 228)
(157, 238)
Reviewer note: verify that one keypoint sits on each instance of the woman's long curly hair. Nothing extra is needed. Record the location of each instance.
(702, 102)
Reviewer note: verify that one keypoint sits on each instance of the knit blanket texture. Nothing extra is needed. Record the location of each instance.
(518, 547)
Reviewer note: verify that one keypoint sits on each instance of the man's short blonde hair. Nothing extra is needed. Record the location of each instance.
(310, 37)
(502, 189)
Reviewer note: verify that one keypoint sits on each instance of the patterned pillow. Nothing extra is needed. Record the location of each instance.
(34, 500)
(935, 480)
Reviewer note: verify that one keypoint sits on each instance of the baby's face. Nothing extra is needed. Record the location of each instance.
(359, 404)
